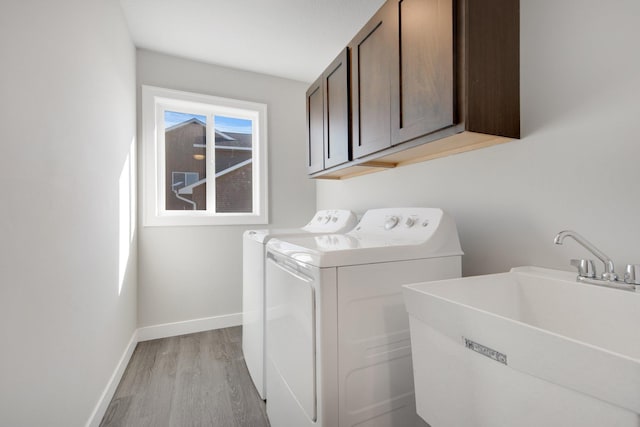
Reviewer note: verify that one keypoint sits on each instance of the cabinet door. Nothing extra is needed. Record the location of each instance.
(371, 52)
(336, 111)
(422, 75)
(315, 127)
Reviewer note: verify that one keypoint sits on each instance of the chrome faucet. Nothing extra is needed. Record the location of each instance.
(586, 270)
(609, 269)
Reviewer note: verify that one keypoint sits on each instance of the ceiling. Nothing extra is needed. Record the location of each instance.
(294, 39)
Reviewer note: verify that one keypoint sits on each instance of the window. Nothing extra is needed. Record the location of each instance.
(204, 159)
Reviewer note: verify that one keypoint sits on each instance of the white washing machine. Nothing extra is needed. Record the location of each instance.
(253, 304)
(339, 349)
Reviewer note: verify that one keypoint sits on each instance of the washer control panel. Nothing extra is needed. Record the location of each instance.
(391, 222)
(410, 221)
(399, 223)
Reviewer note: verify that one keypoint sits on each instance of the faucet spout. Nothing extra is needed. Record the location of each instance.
(609, 270)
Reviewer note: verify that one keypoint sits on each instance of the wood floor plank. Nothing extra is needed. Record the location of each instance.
(247, 406)
(191, 380)
(198, 396)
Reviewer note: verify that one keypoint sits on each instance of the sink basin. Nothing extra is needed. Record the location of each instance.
(529, 347)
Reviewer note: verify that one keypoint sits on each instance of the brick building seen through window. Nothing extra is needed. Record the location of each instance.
(186, 165)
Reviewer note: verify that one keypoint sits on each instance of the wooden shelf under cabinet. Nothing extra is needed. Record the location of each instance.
(454, 144)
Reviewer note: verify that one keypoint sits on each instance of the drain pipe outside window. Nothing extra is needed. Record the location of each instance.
(191, 202)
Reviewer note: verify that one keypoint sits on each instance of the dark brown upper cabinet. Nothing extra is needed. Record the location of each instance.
(315, 127)
(431, 78)
(328, 116)
(402, 80)
(337, 113)
(370, 77)
(422, 75)
(402, 74)
(488, 56)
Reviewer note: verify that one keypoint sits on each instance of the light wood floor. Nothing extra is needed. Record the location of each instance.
(192, 380)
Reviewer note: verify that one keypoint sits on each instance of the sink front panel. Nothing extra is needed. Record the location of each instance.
(458, 387)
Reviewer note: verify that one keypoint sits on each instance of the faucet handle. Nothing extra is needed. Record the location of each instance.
(586, 267)
(632, 274)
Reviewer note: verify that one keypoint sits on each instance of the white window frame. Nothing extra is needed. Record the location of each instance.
(155, 101)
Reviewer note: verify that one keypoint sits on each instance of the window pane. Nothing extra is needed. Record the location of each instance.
(234, 164)
(185, 140)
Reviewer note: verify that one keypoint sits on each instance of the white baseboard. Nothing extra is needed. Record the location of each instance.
(188, 326)
(109, 391)
(150, 333)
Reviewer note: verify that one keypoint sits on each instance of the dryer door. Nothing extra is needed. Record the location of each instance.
(291, 331)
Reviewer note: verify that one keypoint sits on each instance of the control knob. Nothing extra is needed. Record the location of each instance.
(391, 222)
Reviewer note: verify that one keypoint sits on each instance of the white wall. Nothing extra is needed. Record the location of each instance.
(195, 272)
(67, 122)
(577, 165)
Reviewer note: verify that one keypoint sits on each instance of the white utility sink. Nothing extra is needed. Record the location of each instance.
(530, 347)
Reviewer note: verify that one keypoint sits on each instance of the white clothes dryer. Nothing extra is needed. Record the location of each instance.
(253, 312)
(338, 348)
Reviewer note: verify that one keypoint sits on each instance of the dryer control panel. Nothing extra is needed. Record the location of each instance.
(331, 221)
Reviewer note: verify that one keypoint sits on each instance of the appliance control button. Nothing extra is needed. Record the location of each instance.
(334, 219)
(327, 219)
(425, 223)
(391, 222)
(409, 222)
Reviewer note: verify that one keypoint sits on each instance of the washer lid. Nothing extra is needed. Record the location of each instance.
(383, 235)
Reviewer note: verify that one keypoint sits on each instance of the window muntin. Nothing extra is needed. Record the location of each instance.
(193, 140)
